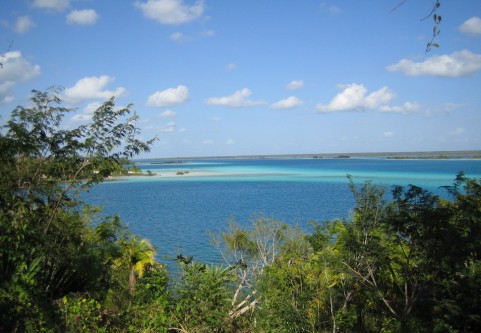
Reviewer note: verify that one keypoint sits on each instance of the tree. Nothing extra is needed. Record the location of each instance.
(138, 255)
(151, 303)
(416, 256)
(202, 298)
(248, 252)
(48, 245)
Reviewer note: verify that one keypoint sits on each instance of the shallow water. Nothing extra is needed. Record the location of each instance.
(177, 212)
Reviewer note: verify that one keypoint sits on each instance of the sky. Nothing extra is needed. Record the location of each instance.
(255, 77)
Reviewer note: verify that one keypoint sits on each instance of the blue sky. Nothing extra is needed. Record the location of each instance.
(226, 77)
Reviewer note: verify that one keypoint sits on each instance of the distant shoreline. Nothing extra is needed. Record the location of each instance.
(427, 155)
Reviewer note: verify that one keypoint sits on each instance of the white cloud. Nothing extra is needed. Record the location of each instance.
(81, 118)
(92, 88)
(182, 130)
(82, 17)
(168, 97)
(237, 99)
(456, 64)
(207, 142)
(92, 107)
(230, 142)
(288, 103)
(353, 97)
(87, 112)
(15, 69)
(388, 134)
(216, 118)
(167, 114)
(471, 26)
(171, 11)
(6, 95)
(405, 108)
(168, 128)
(296, 84)
(378, 98)
(231, 66)
(57, 5)
(23, 24)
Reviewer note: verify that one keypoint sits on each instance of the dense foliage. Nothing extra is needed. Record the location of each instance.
(51, 245)
(407, 264)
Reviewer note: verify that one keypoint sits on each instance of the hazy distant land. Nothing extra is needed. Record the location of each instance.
(468, 154)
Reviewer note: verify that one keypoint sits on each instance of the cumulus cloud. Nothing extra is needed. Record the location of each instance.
(288, 103)
(456, 64)
(168, 97)
(171, 11)
(296, 84)
(56, 5)
(237, 99)
(230, 142)
(388, 134)
(167, 114)
(82, 17)
(23, 24)
(471, 26)
(354, 97)
(90, 88)
(15, 70)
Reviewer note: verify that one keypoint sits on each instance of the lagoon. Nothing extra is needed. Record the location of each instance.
(177, 212)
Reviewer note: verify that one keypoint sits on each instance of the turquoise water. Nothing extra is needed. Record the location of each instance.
(177, 213)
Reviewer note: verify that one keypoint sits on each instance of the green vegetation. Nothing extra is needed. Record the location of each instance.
(411, 264)
(130, 169)
(55, 251)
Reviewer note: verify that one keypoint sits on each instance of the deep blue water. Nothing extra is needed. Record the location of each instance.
(177, 213)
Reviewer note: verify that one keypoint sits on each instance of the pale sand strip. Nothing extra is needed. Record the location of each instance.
(173, 174)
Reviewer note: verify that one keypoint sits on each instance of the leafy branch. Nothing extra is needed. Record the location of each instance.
(436, 31)
(437, 20)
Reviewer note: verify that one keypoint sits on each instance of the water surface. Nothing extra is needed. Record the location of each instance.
(177, 212)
